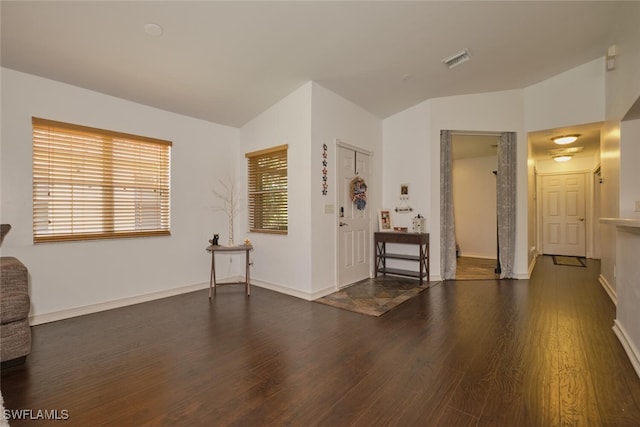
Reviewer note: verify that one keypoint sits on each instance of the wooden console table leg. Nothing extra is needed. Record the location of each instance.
(247, 275)
(421, 263)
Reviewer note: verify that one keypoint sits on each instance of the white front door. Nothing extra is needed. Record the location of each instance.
(563, 214)
(354, 236)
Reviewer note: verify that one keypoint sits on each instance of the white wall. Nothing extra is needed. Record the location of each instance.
(407, 151)
(622, 83)
(609, 201)
(68, 278)
(574, 97)
(532, 198)
(334, 117)
(283, 262)
(627, 243)
(622, 89)
(620, 172)
(474, 202)
(629, 167)
(627, 323)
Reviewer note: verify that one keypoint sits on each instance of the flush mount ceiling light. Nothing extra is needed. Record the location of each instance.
(154, 30)
(565, 139)
(457, 59)
(562, 158)
(565, 150)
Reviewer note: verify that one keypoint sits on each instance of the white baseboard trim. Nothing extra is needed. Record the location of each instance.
(609, 289)
(532, 265)
(323, 292)
(293, 292)
(38, 319)
(481, 256)
(627, 344)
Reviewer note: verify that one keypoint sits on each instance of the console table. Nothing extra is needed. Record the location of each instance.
(227, 249)
(422, 257)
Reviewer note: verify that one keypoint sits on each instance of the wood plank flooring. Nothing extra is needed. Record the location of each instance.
(469, 268)
(538, 352)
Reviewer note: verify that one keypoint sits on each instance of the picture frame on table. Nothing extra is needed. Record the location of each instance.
(384, 220)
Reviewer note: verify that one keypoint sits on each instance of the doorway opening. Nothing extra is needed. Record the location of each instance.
(475, 163)
(505, 203)
(567, 193)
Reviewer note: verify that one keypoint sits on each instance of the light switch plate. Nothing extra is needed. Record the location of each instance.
(329, 209)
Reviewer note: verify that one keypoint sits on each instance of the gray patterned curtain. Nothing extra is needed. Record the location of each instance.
(447, 230)
(506, 203)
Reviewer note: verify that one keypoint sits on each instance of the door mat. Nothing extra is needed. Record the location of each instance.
(572, 261)
(374, 297)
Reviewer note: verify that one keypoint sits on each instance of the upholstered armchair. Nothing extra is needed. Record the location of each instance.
(15, 333)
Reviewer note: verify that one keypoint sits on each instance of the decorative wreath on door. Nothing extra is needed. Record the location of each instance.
(359, 192)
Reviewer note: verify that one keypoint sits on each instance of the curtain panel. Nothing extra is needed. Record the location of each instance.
(447, 223)
(506, 203)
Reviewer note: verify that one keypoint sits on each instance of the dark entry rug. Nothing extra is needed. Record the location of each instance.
(374, 297)
(572, 261)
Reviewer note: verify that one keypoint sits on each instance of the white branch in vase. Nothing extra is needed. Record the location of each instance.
(231, 205)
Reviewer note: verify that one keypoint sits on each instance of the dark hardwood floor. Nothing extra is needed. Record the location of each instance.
(538, 352)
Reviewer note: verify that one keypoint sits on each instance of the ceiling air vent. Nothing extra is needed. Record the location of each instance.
(457, 59)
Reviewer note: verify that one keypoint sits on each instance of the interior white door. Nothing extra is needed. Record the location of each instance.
(563, 214)
(354, 235)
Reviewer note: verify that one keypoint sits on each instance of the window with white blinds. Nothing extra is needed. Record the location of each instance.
(97, 184)
(267, 185)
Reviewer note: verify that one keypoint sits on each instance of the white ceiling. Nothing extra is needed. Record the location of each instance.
(226, 62)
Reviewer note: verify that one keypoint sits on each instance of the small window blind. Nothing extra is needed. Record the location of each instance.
(268, 188)
(97, 184)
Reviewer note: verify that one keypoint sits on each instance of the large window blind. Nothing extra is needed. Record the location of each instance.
(95, 184)
(268, 199)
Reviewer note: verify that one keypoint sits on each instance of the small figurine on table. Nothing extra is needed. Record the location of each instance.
(214, 240)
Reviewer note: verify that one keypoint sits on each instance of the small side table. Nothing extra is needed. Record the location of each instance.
(381, 255)
(219, 248)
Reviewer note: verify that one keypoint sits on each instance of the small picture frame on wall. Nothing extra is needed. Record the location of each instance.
(384, 220)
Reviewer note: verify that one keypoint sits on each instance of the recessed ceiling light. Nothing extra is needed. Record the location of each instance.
(154, 30)
(566, 139)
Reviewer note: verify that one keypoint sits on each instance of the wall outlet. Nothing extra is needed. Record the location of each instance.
(637, 205)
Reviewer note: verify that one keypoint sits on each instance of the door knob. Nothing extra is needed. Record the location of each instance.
(580, 219)
(342, 224)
